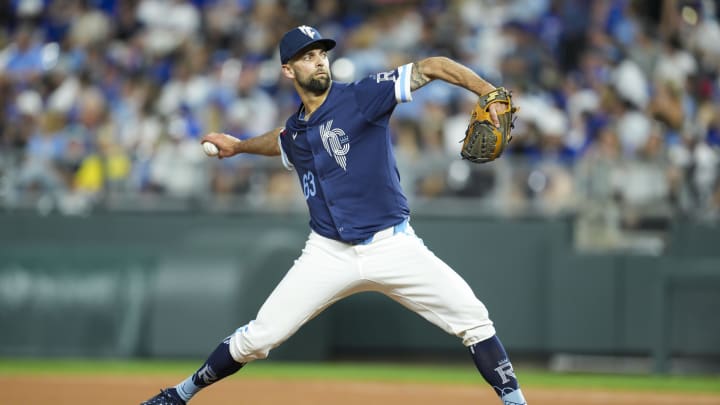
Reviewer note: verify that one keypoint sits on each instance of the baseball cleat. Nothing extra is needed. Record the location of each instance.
(165, 397)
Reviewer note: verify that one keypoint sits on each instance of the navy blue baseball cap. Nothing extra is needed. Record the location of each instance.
(299, 38)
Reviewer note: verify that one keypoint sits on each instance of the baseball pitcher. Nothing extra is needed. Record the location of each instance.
(361, 238)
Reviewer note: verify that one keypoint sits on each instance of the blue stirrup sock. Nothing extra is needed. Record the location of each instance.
(489, 356)
(494, 365)
(219, 365)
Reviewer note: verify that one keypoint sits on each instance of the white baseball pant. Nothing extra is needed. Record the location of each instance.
(396, 263)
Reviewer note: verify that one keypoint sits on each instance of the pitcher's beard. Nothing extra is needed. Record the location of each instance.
(316, 85)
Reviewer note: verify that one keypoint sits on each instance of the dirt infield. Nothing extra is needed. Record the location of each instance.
(34, 390)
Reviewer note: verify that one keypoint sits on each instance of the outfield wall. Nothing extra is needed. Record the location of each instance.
(173, 285)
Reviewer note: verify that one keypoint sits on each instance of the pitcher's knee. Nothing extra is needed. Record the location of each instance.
(477, 334)
(477, 325)
(253, 342)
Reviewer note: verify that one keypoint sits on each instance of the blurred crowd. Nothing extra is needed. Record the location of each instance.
(619, 99)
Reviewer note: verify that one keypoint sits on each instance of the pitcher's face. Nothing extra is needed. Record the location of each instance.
(311, 70)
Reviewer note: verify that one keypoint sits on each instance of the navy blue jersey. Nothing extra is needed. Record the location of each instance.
(344, 158)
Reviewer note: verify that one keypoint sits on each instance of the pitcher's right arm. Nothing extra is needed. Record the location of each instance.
(265, 144)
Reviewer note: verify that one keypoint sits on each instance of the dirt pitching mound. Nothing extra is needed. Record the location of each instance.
(121, 390)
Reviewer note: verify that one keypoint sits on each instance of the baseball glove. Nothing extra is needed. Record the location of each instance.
(484, 142)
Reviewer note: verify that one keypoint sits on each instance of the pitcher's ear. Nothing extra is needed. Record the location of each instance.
(287, 71)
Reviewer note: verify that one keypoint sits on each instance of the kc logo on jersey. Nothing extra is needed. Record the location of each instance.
(336, 143)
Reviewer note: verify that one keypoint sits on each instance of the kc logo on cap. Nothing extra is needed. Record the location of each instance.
(309, 31)
(300, 38)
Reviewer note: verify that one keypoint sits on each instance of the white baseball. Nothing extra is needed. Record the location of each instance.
(210, 149)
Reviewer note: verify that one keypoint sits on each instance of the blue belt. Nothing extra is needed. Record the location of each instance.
(385, 233)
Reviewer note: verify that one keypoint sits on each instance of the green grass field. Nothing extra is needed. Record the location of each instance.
(366, 372)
